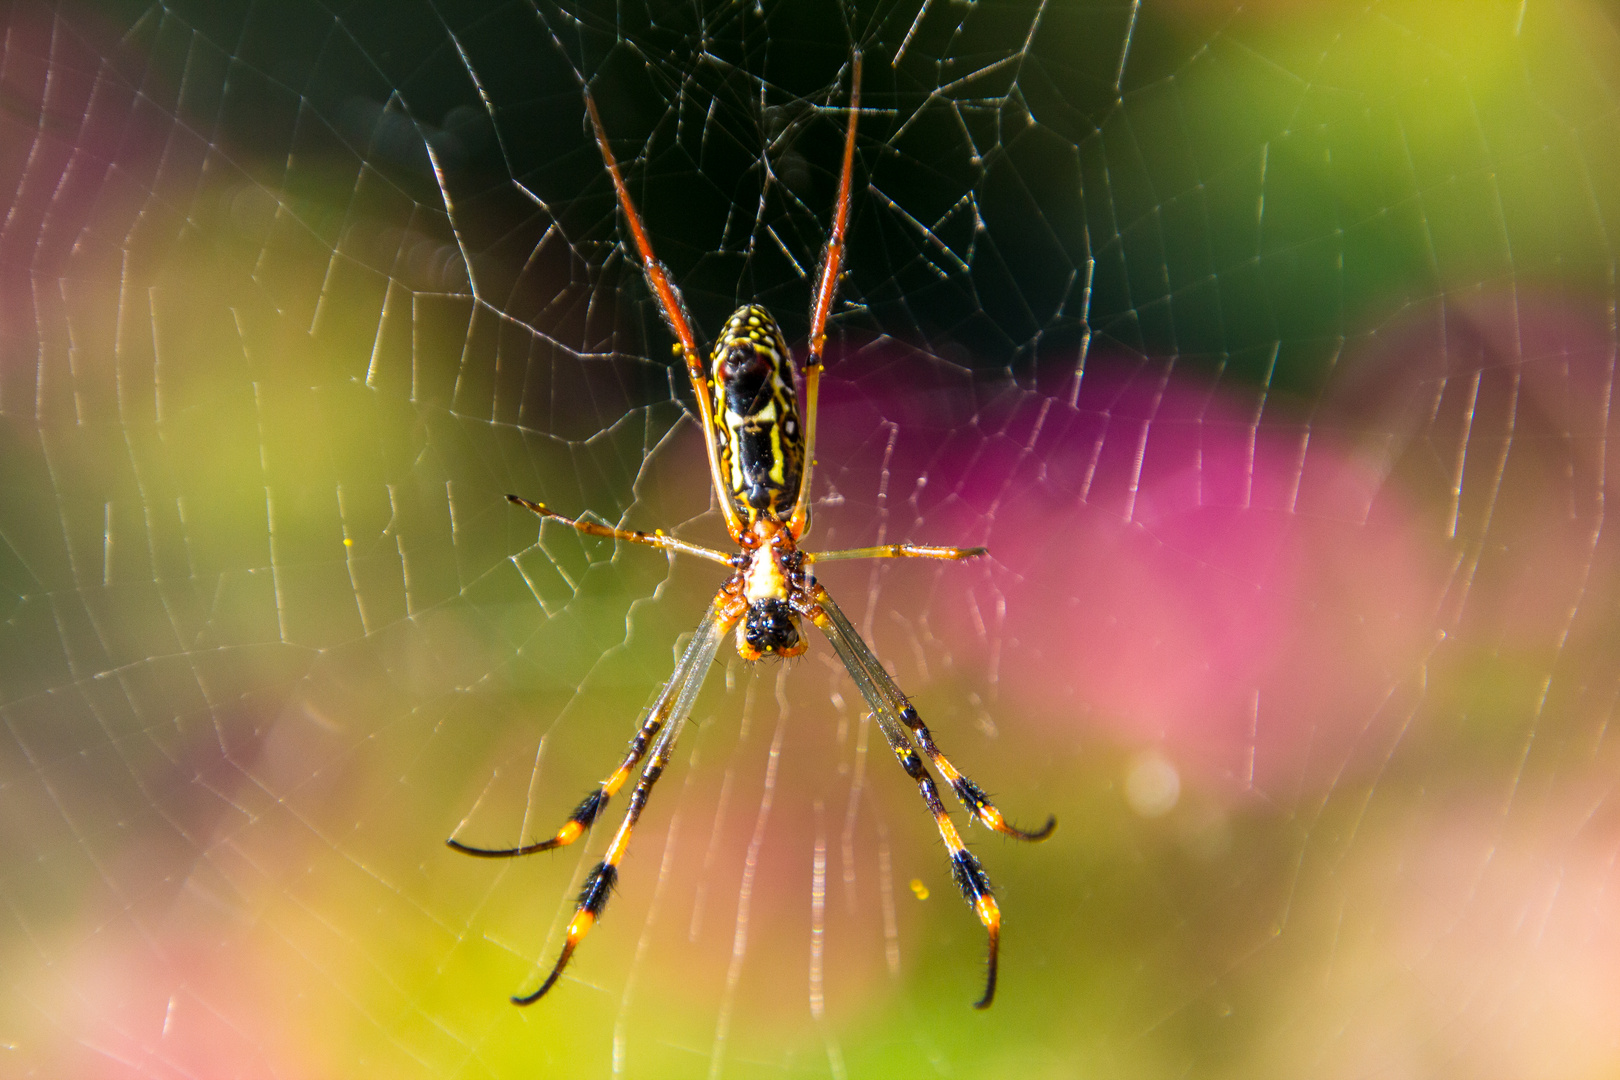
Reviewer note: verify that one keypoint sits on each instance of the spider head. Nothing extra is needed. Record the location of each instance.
(771, 628)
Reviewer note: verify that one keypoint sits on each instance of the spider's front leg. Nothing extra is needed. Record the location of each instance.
(589, 808)
(604, 875)
(663, 724)
(896, 716)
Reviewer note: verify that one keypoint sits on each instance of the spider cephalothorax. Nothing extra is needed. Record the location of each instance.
(761, 456)
(772, 586)
(771, 628)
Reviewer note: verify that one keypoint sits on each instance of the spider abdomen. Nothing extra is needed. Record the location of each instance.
(756, 412)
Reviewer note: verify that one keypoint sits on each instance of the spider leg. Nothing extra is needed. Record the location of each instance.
(594, 528)
(895, 716)
(972, 796)
(670, 713)
(832, 265)
(592, 805)
(896, 551)
(674, 311)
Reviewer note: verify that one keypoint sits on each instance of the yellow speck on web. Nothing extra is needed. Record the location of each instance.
(919, 888)
(348, 541)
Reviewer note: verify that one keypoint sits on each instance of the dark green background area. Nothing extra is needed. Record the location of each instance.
(1244, 193)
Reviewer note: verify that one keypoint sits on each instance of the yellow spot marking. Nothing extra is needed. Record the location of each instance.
(569, 832)
(580, 925)
(919, 888)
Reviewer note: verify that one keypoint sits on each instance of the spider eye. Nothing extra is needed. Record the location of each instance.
(770, 627)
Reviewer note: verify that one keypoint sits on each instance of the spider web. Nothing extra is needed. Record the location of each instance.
(1270, 351)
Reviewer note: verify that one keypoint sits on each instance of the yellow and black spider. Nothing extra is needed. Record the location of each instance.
(760, 459)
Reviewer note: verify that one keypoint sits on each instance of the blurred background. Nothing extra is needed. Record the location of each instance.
(1270, 348)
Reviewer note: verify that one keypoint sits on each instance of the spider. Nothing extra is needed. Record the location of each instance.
(760, 461)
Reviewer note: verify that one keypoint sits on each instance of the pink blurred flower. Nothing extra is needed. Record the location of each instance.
(1177, 567)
